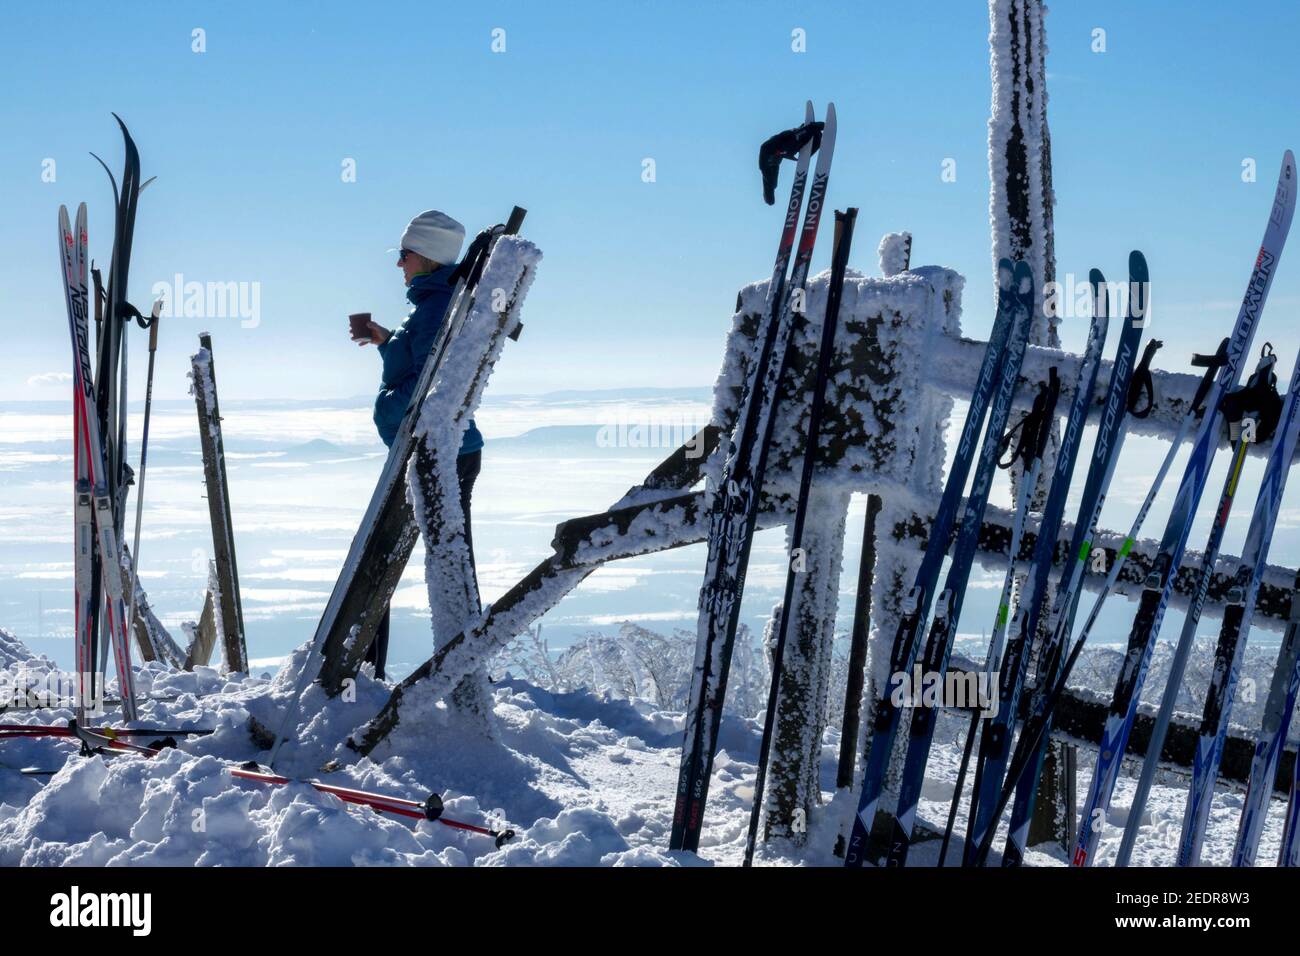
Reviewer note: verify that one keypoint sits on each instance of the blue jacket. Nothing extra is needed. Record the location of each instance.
(407, 348)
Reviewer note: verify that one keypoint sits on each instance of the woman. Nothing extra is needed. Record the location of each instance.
(430, 249)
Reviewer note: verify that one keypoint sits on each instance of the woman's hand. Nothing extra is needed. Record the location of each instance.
(378, 334)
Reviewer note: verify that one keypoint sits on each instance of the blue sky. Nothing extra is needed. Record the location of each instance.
(639, 279)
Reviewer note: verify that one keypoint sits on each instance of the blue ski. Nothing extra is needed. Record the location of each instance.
(1015, 308)
(1159, 583)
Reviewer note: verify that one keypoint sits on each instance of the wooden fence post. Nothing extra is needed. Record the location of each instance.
(229, 609)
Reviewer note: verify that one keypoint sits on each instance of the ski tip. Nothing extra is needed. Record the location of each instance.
(1023, 278)
(809, 113)
(1100, 294)
(111, 178)
(1139, 284)
(132, 153)
(1137, 266)
(1288, 165)
(1005, 270)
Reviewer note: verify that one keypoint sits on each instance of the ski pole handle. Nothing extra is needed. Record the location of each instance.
(1211, 364)
(153, 325)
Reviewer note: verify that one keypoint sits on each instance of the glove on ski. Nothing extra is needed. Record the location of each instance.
(783, 146)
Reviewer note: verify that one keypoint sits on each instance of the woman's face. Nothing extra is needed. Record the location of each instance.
(411, 264)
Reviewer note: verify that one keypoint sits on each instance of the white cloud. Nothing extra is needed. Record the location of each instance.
(48, 378)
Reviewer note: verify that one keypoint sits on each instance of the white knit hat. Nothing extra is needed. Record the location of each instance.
(436, 236)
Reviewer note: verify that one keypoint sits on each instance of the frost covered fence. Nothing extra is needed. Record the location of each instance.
(227, 606)
(154, 641)
(202, 634)
(874, 385)
(658, 514)
(955, 360)
(892, 381)
(868, 443)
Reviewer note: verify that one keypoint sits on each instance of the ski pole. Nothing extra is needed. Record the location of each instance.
(42, 730)
(144, 452)
(428, 809)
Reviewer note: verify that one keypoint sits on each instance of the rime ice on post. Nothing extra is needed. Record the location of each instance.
(1020, 164)
(895, 253)
(432, 478)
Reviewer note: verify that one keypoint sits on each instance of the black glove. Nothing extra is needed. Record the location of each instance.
(783, 146)
(475, 252)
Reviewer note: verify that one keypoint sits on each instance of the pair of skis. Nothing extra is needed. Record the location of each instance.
(1006, 346)
(110, 375)
(734, 500)
(94, 508)
(844, 223)
(99, 402)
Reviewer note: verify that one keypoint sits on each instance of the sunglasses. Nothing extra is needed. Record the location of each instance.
(403, 253)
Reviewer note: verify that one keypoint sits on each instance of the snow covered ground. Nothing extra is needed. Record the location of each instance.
(584, 779)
